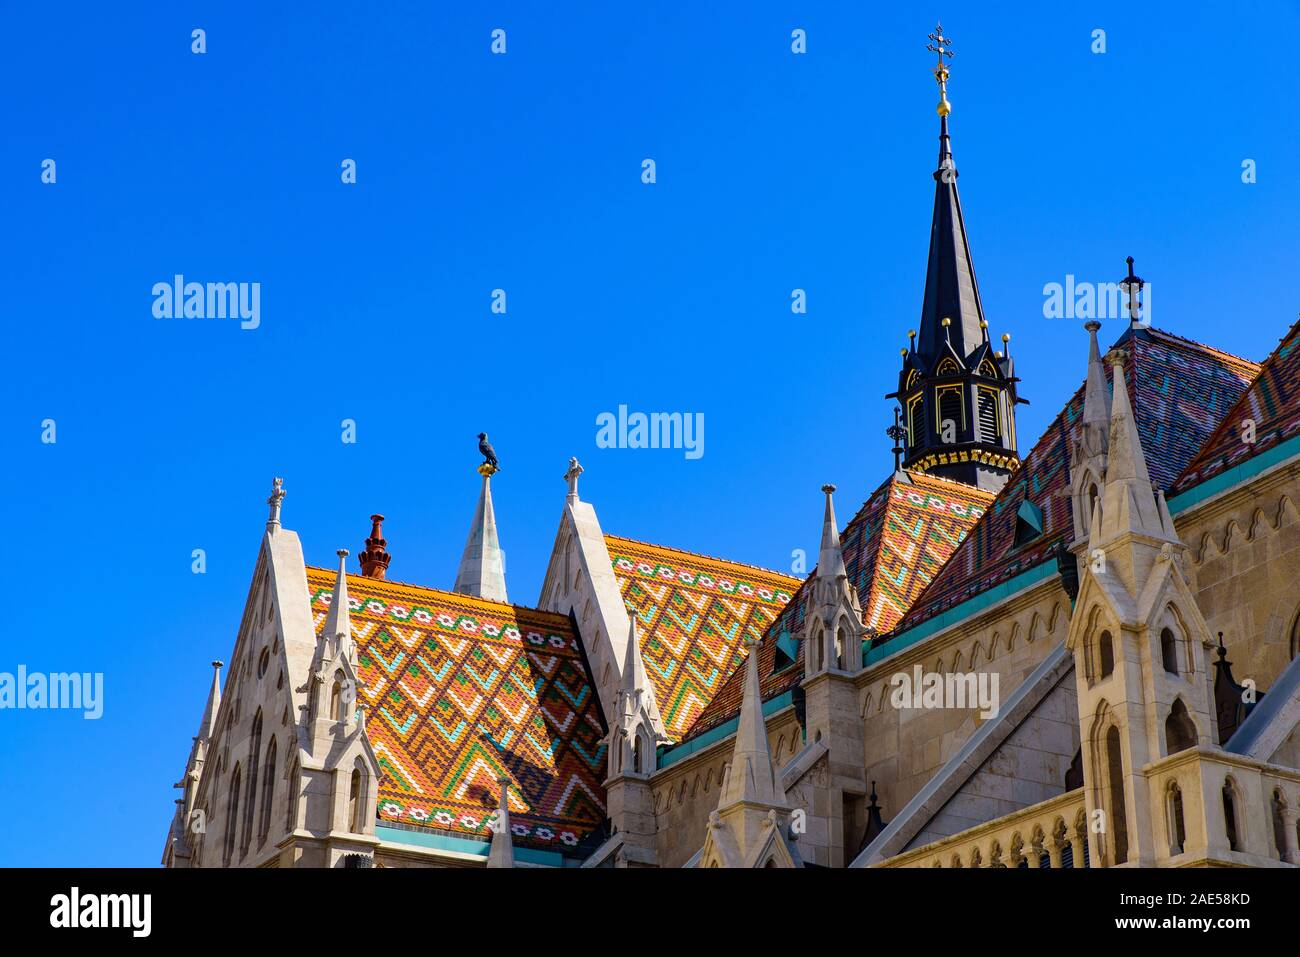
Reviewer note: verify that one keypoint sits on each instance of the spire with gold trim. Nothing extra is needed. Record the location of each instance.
(958, 395)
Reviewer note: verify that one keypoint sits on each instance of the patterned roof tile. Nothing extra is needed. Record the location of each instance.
(1272, 402)
(893, 547)
(693, 614)
(1180, 390)
(460, 690)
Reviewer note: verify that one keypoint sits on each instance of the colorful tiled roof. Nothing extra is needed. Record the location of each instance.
(458, 691)
(693, 613)
(893, 548)
(1272, 402)
(1180, 391)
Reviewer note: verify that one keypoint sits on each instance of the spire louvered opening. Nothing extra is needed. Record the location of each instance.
(950, 410)
(988, 414)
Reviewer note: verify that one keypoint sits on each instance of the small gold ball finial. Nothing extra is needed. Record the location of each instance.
(487, 470)
(944, 108)
(984, 323)
(903, 353)
(1006, 337)
(945, 322)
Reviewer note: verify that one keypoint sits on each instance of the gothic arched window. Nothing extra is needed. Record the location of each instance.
(1106, 655)
(268, 792)
(1180, 730)
(1174, 815)
(1115, 780)
(354, 802)
(250, 802)
(1230, 814)
(1169, 651)
(232, 814)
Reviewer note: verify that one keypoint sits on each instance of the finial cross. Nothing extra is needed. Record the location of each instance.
(571, 476)
(939, 45)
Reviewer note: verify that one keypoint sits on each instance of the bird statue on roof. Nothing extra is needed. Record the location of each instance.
(489, 454)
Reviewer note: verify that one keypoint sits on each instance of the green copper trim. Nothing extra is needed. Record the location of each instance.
(1235, 475)
(971, 606)
(462, 845)
(713, 735)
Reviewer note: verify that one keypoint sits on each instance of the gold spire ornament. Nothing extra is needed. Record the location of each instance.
(939, 46)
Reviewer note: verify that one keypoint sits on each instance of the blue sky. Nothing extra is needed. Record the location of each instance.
(522, 172)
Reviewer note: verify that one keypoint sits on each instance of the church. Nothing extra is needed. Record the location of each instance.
(1123, 585)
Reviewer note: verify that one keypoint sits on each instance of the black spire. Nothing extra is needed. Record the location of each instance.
(958, 394)
(951, 291)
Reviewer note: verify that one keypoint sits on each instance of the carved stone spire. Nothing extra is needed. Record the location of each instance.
(482, 565)
(502, 853)
(338, 621)
(751, 779)
(830, 559)
(209, 721)
(1128, 503)
(1096, 396)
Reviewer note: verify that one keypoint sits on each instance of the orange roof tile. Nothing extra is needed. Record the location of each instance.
(893, 547)
(693, 614)
(459, 690)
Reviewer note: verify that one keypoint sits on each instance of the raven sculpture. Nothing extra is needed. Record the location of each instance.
(489, 456)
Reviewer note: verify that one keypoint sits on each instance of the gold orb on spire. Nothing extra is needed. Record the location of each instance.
(945, 322)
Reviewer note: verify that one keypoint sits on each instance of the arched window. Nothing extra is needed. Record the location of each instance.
(1279, 825)
(1174, 817)
(841, 649)
(636, 753)
(1118, 818)
(1230, 815)
(291, 815)
(250, 802)
(232, 814)
(1180, 730)
(1106, 654)
(1169, 651)
(354, 802)
(815, 652)
(336, 697)
(268, 793)
(1092, 502)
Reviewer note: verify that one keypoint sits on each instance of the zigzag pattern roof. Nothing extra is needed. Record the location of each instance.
(1272, 402)
(893, 548)
(693, 614)
(1180, 390)
(458, 691)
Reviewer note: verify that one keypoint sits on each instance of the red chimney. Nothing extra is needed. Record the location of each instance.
(374, 560)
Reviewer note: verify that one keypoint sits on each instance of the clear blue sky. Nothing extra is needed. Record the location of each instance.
(522, 172)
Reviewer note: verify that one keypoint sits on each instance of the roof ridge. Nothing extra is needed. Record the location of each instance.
(454, 596)
(712, 558)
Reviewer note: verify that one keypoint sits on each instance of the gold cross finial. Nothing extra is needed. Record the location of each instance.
(941, 46)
